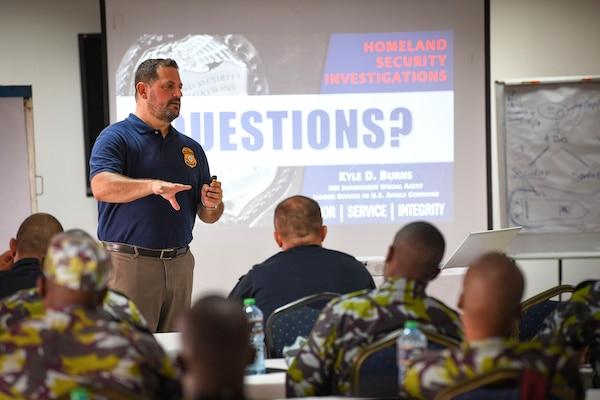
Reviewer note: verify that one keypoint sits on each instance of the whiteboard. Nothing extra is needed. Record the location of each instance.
(549, 133)
(17, 167)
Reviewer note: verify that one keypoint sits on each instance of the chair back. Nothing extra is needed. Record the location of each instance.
(535, 309)
(505, 384)
(294, 319)
(374, 371)
(495, 385)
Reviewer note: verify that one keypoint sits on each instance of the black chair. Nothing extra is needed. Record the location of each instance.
(294, 319)
(374, 371)
(535, 309)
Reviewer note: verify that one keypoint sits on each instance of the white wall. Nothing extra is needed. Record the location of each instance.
(38, 46)
(536, 39)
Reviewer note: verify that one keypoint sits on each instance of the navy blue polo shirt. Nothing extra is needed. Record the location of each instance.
(134, 149)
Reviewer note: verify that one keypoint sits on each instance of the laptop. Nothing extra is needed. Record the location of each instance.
(478, 243)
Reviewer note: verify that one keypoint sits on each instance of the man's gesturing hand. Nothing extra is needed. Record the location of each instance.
(168, 191)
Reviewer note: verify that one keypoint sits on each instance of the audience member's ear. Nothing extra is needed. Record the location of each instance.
(460, 301)
(434, 274)
(323, 232)
(387, 267)
(12, 245)
(518, 312)
(278, 239)
(389, 255)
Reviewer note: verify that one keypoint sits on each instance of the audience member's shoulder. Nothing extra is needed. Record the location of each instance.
(19, 306)
(345, 301)
(439, 303)
(121, 308)
(547, 346)
(342, 255)
(586, 285)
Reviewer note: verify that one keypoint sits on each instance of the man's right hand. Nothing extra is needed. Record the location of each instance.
(168, 191)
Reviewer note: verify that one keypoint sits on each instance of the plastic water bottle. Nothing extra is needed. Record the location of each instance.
(79, 393)
(257, 336)
(410, 344)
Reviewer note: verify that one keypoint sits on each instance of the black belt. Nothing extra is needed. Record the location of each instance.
(164, 254)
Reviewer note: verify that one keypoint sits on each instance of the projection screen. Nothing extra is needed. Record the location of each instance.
(376, 109)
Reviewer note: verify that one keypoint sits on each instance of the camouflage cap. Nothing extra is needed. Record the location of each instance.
(77, 261)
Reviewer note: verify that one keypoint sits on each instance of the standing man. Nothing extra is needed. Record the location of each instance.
(150, 182)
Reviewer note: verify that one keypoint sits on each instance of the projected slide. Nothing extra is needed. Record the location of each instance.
(361, 122)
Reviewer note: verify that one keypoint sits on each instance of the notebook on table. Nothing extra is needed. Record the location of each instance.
(478, 243)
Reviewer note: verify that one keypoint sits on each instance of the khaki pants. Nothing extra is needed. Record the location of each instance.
(162, 289)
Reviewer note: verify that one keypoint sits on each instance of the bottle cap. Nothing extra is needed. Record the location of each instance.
(79, 393)
(411, 324)
(249, 301)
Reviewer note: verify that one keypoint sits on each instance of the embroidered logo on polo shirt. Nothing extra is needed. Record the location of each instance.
(188, 157)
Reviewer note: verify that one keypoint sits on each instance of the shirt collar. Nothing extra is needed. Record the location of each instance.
(495, 342)
(403, 285)
(141, 127)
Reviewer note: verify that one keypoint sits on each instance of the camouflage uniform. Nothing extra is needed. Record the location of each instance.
(27, 302)
(434, 371)
(47, 356)
(576, 324)
(53, 351)
(350, 322)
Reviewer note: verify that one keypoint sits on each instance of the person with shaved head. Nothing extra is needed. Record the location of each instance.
(215, 350)
(351, 322)
(303, 266)
(491, 305)
(26, 252)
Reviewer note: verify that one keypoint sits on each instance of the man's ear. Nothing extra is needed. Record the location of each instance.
(323, 232)
(390, 253)
(278, 239)
(434, 274)
(12, 245)
(142, 89)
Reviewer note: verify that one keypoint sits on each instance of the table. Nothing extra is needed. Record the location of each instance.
(170, 342)
(592, 394)
(555, 246)
(267, 386)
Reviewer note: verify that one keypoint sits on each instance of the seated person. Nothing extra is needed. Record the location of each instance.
(27, 302)
(350, 322)
(74, 342)
(303, 266)
(26, 251)
(491, 305)
(215, 350)
(576, 324)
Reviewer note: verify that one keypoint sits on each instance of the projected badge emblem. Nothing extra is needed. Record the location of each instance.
(218, 65)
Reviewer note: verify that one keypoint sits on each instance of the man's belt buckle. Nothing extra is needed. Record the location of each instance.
(172, 253)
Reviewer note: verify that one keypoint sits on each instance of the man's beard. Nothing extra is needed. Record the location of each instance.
(164, 114)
